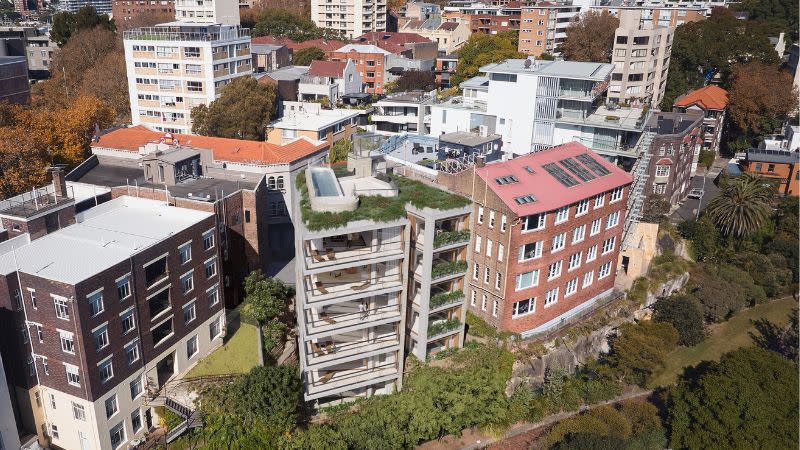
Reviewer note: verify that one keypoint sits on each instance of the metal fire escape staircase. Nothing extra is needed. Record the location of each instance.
(640, 172)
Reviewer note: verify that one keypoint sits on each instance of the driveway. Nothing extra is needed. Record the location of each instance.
(688, 208)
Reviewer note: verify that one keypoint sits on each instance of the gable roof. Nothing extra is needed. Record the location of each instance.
(234, 150)
(391, 42)
(531, 178)
(708, 97)
(332, 69)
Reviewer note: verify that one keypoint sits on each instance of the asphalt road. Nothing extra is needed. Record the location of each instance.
(689, 207)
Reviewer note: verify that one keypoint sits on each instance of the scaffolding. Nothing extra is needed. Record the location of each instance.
(640, 172)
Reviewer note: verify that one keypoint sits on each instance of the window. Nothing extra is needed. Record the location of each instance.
(52, 401)
(474, 298)
(208, 240)
(213, 296)
(575, 260)
(185, 253)
(491, 219)
(527, 279)
(72, 375)
(54, 431)
(67, 342)
(662, 171)
(189, 312)
(578, 234)
(523, 307)
(599, 201)
(489, 247)
(26, 337)
(620, 52)
(612, 220)
(132, 352)
(194, 86)
(211, 267)
(608, 245)
(187, 282)
(95, 303)
(595, 227)
(591, 253)
(478, 240)
(533, 222)
(124, 287)
(588, 278)
(622, 39)
(605, 270)
(214, 330)
(18, 297)
(159, 302)
(191, 347)
(486, 274)
(33, 299)
(78, 412)
(155, 271)
(128, 321)
(39, 333)
(45, 366)
(106, 370)
(770, 168)
(503, 223)
(100, 337)
(551, 297)
(480, 214)
(136, 388)
(558, 242)
(136, 420)
(572, 287)
(483, 303)
(494, 308)
(554, 270)
(500, 252)
(616, 195)
(62, 311)
(562, 214)
(530, 251)
(582, 208)
(117, 435)
(476, 274)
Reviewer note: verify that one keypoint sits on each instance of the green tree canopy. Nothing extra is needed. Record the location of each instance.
(784, 12)
(413, 80)
(778, 338)
(65, 24)
(242, 111)
(304, 56)
(641, 349)
(742, 207)
(284, 23)
(685, 313)
(340, 150)
(748, 400)
(266, 298)
(482, 49)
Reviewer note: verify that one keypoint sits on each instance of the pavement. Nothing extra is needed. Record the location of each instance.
(688, 208)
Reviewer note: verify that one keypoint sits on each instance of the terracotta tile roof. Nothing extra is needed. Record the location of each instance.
(708, 97)
(234, 150)
(333, 69)
(549, 193)
(325, 44)
(391, 42)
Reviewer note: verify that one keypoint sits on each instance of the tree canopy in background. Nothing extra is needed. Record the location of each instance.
(304, 56)
(66, 24)
(782, 12)
(590, 37)
(413, 80)
(242, 111)
(284, 23)
(761, 97)
(747, 400)
(481, 49)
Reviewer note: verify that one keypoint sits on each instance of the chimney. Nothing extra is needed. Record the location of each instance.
(480, 161)
(59, 183)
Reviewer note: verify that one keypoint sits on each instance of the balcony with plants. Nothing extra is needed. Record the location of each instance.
(446, 298)
(442, 327)
(444, 268)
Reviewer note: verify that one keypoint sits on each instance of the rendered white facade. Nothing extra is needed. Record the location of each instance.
(207, 11)
(351, 17)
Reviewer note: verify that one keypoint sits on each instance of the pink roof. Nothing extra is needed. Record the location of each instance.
(550, 194)
(333, 69)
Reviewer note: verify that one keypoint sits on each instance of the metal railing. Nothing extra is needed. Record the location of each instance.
(165, 34)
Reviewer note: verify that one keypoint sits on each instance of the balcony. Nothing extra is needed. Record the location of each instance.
(443, 269)
(620, 118)
(449, 239)
(171, 34)
(342, 316)
(395, 118)
(437, 329)
(349, 284)
(446, 299)
(348, 248)
(221, 73)
(347, 347)
(219, 55)
(327, 382)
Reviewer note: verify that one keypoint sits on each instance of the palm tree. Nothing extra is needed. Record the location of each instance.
(742, 207)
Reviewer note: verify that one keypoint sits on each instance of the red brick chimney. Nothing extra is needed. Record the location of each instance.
(59, 183)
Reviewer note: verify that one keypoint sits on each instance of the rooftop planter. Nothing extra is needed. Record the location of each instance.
(438, 328)
(444, 299)
(446, 268)
(450, 237)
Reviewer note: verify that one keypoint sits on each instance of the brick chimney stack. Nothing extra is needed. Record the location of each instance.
(59, 183)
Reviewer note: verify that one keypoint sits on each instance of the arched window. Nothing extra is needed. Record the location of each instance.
(280, 183)
(271, 182)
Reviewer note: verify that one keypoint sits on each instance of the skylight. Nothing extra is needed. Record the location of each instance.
(508, 179)
(577, 169)
(559, 174)
(525, 199)
(593, 165)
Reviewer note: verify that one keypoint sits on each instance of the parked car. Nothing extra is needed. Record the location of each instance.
(696, 193)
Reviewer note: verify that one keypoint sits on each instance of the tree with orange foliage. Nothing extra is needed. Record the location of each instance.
(761, 97)
(590, 37)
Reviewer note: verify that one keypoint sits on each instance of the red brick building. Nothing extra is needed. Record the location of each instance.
(125, 10)
(712, 101)
(547, 228)
(673, 153)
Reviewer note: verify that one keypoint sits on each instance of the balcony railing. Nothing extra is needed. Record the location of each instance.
(165, 34)
(446, 299)
(446, 268)
(451, 237)
(339, 378)
(328, 286)
(446, 326)
(333, 350)
(322, 322)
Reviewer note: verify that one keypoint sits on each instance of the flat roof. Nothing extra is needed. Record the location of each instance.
(773, 156)
(103, 236)
(467, 138)
(314, 121)
(561, 69)
(288, 73)
(479, 82)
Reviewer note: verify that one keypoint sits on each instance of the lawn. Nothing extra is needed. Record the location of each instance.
(239, 354)
(724, 337)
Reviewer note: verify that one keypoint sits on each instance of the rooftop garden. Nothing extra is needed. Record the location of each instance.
(379, 208)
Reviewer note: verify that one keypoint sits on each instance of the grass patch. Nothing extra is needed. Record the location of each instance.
(723, 338)
(238, 355)
(376, 207)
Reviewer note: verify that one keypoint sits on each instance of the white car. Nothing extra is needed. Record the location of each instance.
(696, 193)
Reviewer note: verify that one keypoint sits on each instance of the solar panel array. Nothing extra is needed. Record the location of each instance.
(593, 165)
(559, 174)
(577, 169)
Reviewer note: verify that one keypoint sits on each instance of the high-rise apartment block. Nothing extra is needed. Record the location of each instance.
(351, 17)
(657, 13)
(176, 66)
(546, 236)
(543, 25)
(641, 57)
(101, 309)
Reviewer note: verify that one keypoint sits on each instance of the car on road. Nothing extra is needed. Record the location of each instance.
(696, 193)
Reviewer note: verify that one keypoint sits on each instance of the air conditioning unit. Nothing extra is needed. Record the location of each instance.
(483, 130)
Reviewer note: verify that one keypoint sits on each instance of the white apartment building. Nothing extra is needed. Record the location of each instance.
(641, 58)
(539, 104)
(176, 66)
(352, 17)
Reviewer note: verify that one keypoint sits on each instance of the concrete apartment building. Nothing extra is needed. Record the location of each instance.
(101, 6)
(176, 66)
(673, 153)
(546, 235)
(445, 68)
(127, 10)
(543, 25)
(351, 17)
(484, 18)
(450, 36)
(564, 103)
(88, 346)
(311, 121)
(404, 112)
(657, 14)
(712, 101)
(31, 42)
(640, 56)
(331, 80)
